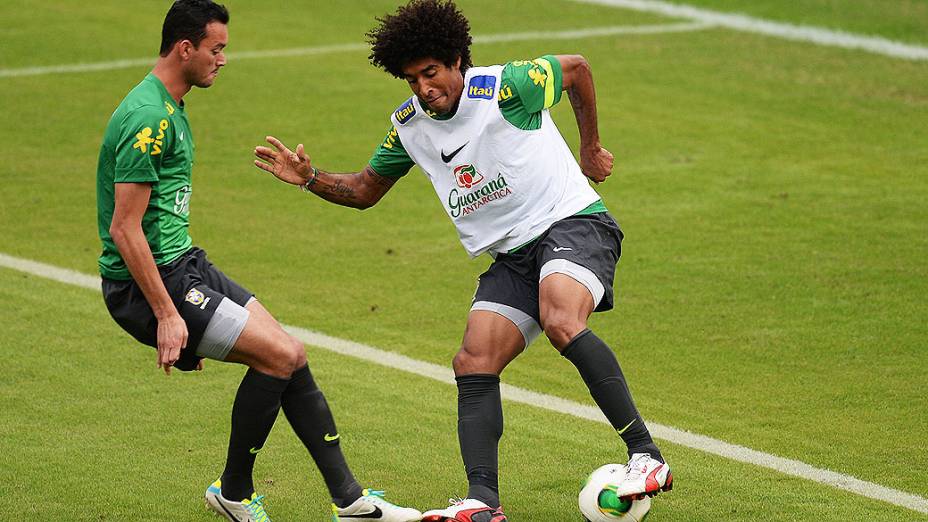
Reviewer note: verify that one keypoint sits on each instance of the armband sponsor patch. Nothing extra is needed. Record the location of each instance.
(405, 112)
(482, 87)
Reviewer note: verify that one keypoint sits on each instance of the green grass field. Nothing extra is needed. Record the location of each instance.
(771, 293)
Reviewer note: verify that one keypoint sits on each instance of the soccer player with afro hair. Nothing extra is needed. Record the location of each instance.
(510, 184)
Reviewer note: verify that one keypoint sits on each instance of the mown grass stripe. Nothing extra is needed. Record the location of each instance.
(570, 34)
(786, 31)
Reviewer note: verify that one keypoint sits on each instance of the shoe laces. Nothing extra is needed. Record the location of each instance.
(375, 496)
(636, 466)
(255, 507)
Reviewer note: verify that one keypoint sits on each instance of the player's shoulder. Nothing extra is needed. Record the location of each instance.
(528, 70)
(145, 101)
(405, 112)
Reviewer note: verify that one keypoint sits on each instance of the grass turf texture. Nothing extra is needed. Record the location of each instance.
(772, 284)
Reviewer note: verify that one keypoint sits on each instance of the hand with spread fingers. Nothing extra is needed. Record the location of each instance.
(288, 166)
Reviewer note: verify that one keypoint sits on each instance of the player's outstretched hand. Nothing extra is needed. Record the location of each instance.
(596, 164)
(289, 166)
(172, 338)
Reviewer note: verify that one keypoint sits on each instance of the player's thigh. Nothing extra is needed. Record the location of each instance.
(577, 261)
(491, 341)
(265, 346)
(503, 318)
(564, 304)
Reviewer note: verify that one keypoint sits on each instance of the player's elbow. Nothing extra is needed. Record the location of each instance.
(368, 199)
(121, 229)
(582, 66)
(117, 231)
(575, 69)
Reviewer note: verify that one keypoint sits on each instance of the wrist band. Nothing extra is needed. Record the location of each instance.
(305, 186)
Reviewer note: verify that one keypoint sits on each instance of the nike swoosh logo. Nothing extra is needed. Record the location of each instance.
(376, 513)
(451, 156)
(621, 431)
(558, 249)
(181, 136)
(330, 438)
(254, 451)
(224, 508)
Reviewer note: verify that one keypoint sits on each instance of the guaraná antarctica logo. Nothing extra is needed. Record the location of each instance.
(467, 176)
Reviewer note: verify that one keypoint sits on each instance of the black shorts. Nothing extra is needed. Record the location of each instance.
(196, 287)
(585, 247)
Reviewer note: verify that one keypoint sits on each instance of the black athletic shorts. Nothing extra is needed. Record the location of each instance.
(196, 287)
(585, 247)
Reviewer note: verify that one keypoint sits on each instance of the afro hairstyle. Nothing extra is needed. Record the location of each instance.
(420, 29)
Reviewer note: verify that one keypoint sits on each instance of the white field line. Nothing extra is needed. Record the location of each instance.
(799, 33)
(541, 400)
(353, 47)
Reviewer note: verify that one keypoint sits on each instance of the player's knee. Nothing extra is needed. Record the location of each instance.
(284, 356)
(472, 359)
(461, 361)
(467, 360)
(299, 353)
(560, 329)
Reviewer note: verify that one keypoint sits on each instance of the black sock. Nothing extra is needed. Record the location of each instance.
(308, 412)
(603, 376)
(253, 413)
(480, 426)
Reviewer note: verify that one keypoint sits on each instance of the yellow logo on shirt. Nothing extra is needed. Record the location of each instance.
(391, 139)
(505, 93)
(170, 108)
(144, 137)
(537, 76)
(156, 148)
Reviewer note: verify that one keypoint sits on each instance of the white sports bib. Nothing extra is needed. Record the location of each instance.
(501, 186)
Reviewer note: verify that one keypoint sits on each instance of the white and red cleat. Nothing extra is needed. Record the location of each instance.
(465, 510)
(644, 476)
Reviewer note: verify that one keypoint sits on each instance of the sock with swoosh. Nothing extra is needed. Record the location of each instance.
(603, 376)
(254, 411)
(308, 412)
(480, 426)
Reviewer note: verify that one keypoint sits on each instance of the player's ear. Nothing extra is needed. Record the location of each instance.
(185, 49)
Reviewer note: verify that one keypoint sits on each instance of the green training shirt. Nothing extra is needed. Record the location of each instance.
(147, 140)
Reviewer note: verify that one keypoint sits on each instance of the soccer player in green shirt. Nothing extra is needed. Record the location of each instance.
(510, 184)
(164, 291)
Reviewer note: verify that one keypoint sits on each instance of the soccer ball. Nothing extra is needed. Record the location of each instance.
(599, 503)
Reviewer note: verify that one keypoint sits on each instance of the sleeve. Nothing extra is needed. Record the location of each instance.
(143, 136)
(390, 159)
(535, 85)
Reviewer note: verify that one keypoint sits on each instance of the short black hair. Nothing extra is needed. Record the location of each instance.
(187, 20)
(420, 29)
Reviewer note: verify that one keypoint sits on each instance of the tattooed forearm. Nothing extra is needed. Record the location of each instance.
(340, 189)
(358, 190)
